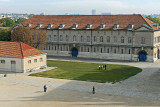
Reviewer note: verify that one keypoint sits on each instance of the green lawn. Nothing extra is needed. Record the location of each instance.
(88, 71)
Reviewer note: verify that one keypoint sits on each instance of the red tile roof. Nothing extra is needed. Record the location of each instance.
(18, 49)
(83, 20)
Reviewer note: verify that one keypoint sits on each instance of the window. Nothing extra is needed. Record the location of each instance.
(61, 26)
(89, 26)
(74, 38)
(122, 39)
(142, 40)
(55, 48)
(95, 39)
(82, 39)
(107, 50)
(50, 26)
(13, 62)
(121, 51)
(130, 27)
(67, 38)
(49, 38)
(35, 60)
(29, 62)
(129, 40)
(3, 61)
(116, 26)
(75, 26)
(129, 51)
(55, 38)
(102, 26)
(49, 48)
(41, 59)
(39, 26)
(101, 50)
(108, 39)
(81, 49)
(115, 39)
(88, 49)
(114, 50)
(94, 49)
(101, 39)
(61, 38)
(88, 38)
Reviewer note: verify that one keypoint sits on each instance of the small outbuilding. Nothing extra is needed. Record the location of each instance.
(19, 57)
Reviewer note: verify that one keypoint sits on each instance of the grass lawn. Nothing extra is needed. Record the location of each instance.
(88, 71)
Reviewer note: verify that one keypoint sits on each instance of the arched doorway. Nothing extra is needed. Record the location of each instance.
(142, 56)
(74, 52)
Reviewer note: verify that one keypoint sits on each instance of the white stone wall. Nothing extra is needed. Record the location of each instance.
(7, 65)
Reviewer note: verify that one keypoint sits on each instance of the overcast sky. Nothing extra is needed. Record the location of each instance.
(80, 6)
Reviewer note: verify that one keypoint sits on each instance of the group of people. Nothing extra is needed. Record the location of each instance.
(102, 67)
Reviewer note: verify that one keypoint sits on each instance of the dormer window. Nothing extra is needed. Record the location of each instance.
(61, 26)
(75, 26)
(130, 27)
(89, 26)
(156, 25)
(50, 26)
(102, 26)
(29, 24)
(39, 26)
(116, 26)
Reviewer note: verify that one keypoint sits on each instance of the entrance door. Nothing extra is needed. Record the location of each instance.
(13, 66)
(74, 52)
(142, 56)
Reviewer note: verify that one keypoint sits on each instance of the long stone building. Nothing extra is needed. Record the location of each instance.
(109, 37)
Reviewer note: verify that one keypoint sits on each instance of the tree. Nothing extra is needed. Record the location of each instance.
(20, 20)
(22, 34)
(40, 39)
(7, 22)
(30, 15)
(154, 19)
(32, 37)
(5, 35)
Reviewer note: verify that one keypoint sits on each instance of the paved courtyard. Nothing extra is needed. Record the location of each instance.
(140, 90)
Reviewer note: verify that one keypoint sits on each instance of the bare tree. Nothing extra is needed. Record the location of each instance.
(22, 34)
(40, 39)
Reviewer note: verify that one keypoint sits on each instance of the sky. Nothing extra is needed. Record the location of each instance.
(80, 6)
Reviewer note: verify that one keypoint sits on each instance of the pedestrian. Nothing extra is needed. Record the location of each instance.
(99, 67)
(105, 67)
(93, 91)
(45, 88)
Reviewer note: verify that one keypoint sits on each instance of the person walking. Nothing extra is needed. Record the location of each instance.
(93, 91)
(99, 67)
(45, 88)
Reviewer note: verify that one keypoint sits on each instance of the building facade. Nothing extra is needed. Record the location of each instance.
(109, 37)
(19, 57)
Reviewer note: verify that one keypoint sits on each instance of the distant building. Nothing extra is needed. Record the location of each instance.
(93, 12)
(106, 13)
(2, 16)
(21, 58)
(109, 37)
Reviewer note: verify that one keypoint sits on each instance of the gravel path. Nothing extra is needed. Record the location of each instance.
(144, 85)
